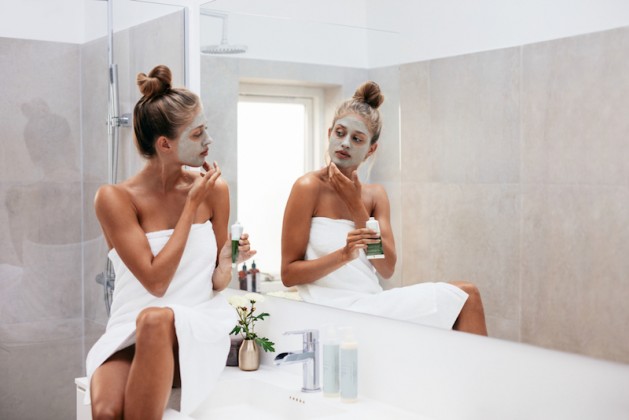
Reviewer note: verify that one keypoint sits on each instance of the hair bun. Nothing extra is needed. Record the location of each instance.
(156, 83)
(369, 92)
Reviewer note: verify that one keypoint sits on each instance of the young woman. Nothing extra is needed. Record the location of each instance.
(324, 234)
(166, 228)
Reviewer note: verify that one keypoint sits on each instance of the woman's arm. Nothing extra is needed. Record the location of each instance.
(119, 220)
(382, 213)
(296, 234)
(220, 219)
(351, 192)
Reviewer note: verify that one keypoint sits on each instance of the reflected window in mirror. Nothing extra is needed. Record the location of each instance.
(277, 128)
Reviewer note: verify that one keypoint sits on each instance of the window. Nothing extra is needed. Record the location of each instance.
(277, 128)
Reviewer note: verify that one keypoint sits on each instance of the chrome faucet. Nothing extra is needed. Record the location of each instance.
(309, 356)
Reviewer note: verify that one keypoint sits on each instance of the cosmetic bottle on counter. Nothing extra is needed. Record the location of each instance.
(249, 281)
(254, 276)
(330, 362)
(374, 251)
(348, 362)
(242, 277)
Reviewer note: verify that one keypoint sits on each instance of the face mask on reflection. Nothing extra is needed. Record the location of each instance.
(193, 142)
(349, 141)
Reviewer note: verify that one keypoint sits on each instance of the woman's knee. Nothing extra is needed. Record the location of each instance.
(470, 288)
(104, 411)
(156, 321)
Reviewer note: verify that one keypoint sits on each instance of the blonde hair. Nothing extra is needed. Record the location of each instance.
(365, 102)
(162, 110)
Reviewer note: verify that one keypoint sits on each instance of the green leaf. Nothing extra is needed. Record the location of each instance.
(265, 343)
(236, 330)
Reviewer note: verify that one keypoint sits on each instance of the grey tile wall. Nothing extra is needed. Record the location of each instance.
(514, 177)
(41, 201)
(575, 234)
(53, 158)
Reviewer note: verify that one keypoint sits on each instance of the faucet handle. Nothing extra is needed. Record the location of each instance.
(309, 336)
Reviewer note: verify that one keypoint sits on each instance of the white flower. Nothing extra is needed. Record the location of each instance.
(256, 297)
(238, 301)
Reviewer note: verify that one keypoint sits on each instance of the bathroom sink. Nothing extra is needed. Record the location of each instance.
(268, 394)
(275, 394)
(247, 397)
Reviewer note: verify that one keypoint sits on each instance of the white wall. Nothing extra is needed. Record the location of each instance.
(446, 375)
(72, 21)
(354, 33)
(327, 32)
(59, 20)
(432, 29)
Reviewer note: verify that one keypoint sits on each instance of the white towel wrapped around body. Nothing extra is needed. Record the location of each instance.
(356, 287)
(203, 318)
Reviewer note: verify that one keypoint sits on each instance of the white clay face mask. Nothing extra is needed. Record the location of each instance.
(194, 141)
(349, 141)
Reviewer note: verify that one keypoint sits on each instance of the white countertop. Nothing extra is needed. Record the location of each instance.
(279, 386)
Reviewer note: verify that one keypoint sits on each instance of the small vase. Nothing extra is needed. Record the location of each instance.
(249, 355)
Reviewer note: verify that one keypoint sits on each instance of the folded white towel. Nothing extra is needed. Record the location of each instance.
(356, 287)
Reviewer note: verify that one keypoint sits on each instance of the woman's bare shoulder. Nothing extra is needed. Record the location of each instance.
(374, 189)
(310, 181)
(221, 185)
(110, 191)
(219, 195)
(375, 195)
(113, 197)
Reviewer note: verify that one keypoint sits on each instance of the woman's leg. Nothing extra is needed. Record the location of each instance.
(472, 316)
(108, 385)
(152, 371)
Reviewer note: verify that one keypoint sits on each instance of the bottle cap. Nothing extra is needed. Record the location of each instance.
(348, 335)
(236, 231)
(253, 265)
(330, 334)
(373, 224)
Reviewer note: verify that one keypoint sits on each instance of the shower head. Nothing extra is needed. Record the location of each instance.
(224, 47)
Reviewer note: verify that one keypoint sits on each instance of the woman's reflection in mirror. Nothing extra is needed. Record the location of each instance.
(324, 234)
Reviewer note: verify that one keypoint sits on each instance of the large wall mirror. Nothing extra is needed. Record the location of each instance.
(501, 150)
(504, 152)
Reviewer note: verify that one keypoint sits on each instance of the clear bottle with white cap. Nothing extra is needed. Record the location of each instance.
(330, 343)
(374, 251)
(348, 362)
(236, 231)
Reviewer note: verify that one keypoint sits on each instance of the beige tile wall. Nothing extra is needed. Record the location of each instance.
(53, 158)
(515, 177)
(41, 238)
